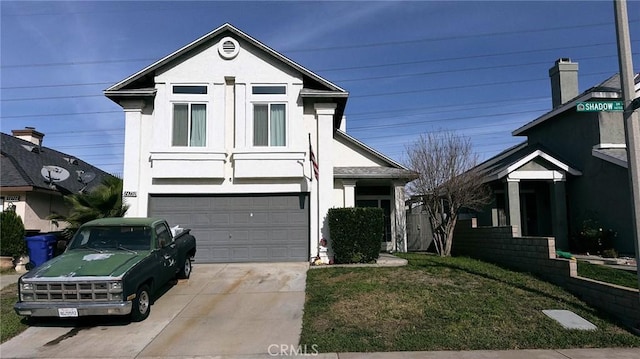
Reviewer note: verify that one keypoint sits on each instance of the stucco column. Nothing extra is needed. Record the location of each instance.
(559, 213)
(324, 156)
(495, 221)
(349, 193)
(513, 200)
(132, 161)
(399, 216)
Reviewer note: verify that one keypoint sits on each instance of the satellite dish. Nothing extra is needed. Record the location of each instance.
(54, 173)
(87, 177)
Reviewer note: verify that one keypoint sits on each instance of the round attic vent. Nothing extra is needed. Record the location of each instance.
(228, 48)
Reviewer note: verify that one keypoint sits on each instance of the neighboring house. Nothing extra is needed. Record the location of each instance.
(572, 168)
(217, 139)
(34, 179)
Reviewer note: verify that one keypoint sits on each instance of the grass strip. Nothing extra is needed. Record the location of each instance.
(439, 303)
(607, 274)
(11, 324)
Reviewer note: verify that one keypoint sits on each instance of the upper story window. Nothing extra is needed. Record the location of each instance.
(269, 115)
(189, 124)
(189, 115)
(198, 90)
(269, 124)
(269, 90)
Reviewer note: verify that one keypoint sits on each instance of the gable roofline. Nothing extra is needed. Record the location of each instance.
(533, 155)
(369, 150)
(604, 90)
(225, 27)
(511, 159)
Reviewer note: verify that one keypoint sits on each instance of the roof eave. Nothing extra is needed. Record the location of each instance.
(611, 159)
(371, 150)
(212, 34)
(408, 177)
(569, 105)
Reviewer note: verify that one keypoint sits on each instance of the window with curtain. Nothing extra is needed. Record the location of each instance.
(189, 125)
(269, 125)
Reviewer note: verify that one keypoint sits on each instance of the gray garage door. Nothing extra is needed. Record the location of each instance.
(255, 228)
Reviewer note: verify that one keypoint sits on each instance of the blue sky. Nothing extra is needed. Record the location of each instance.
(478, 68)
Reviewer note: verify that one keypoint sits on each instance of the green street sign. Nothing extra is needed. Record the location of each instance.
(600, 106)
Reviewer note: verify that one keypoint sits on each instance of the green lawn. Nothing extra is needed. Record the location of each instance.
(607, 274)
(11, 323)
(443, 304)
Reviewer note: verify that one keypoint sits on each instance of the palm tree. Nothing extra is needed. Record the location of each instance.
(103, 201)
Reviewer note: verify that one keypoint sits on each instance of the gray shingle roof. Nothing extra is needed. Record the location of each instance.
(374, 172)
(22, 166)
(491, 168)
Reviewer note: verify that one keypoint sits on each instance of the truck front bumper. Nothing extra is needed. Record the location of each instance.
(56, 309)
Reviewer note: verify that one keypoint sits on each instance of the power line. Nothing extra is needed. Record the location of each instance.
(47, 98)
(60, 114)
(449, 108)
(466, 57)
(367, 66)
(443, 130)
(455, 87)
(403, 124)
(342, 47)
(75, 63)
(449, 38)
(55, 85)
(438, 72)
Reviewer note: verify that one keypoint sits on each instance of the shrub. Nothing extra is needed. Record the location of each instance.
(592, 238)
(12, 233)
(356, 234)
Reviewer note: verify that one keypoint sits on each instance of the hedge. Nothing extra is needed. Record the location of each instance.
(356, 234)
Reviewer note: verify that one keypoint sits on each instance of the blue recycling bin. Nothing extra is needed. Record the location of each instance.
(41, 248)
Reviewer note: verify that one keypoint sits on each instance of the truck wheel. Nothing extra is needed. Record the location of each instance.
(141, 304)
(185, 271)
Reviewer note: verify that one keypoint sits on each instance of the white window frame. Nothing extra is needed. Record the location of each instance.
(189, 100)
(269, 100)
(286, 124)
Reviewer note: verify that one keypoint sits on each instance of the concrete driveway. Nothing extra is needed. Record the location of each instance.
(224, 309)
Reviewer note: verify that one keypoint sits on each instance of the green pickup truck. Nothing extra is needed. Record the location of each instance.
(112, 266)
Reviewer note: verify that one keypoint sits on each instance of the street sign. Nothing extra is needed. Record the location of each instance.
(599, 106)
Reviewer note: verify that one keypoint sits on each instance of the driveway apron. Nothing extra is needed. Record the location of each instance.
(223, 309)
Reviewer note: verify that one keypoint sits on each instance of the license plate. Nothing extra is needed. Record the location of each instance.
(67, 312)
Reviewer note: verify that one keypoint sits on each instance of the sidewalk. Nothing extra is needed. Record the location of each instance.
(8, 279)
(614, 353)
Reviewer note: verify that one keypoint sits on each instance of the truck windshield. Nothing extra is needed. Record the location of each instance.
(132, 238)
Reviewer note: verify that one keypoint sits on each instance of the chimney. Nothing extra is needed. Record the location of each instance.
(564, 81)
(29, 134)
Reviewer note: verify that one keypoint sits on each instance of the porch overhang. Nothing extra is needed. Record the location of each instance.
(387, 173)
(527, 163)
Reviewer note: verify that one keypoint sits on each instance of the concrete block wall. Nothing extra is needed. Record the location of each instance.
(537, 255)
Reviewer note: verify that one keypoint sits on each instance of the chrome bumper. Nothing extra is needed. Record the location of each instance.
(50, 309)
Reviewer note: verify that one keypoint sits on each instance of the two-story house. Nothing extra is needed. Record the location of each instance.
(572, 168)
(222, 135)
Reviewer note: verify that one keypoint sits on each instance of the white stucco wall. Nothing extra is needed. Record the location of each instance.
(348, 155)
(228, 163)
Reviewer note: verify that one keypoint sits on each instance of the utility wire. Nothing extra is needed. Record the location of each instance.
(341, 47)
(352, 96)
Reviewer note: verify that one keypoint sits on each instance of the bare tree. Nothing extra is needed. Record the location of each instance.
(448, 181)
